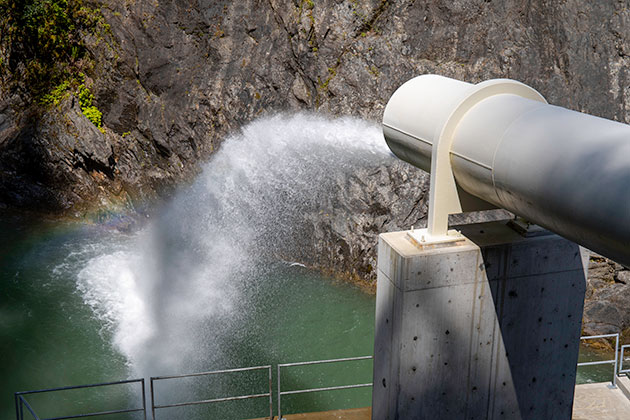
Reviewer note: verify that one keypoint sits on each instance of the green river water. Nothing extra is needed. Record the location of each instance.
(49, 337)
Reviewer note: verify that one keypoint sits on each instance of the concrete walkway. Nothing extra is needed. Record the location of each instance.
(364, 413)
(592, 402)
(598, 401)
(351, 414)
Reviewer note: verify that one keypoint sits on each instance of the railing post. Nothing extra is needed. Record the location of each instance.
(614, 361)
(614, 381)
(621, 359)
(21, 408)
(144, 401)
(17, 406)
(270, 395)
(152, 400)
(279, 403)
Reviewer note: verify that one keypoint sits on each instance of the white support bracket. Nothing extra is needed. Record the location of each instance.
(444, 198)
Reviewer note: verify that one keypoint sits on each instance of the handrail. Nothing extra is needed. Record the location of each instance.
(20, 401)
(99, 413)
(28, 406)
(65, 388)
(621, 358)
(153, 379)
(614, 361)
(316, 362)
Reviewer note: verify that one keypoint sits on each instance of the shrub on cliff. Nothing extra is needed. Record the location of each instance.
(90, 111)
(41, 42)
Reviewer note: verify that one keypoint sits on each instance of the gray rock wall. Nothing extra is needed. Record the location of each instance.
(176, 76)
(607, 305)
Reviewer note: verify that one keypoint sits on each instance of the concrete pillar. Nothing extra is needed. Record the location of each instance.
(484, 328)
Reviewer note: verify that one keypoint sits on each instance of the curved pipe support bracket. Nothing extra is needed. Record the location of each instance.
(444, 198)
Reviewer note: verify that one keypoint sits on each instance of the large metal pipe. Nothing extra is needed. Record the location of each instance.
(564, 170)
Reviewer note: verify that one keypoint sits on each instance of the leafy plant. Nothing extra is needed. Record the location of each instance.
(94, 115)
(56, 94)
(90, 111)
(41, 42)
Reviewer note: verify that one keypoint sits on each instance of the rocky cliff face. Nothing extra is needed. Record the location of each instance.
(607, 307)
(175, 76)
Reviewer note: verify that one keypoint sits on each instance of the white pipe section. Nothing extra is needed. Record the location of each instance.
(564, 170)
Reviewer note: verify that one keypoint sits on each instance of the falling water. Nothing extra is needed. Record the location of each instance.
(185, 282)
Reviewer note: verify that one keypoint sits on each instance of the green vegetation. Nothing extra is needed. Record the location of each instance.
(90, 111)
(56, 94)
(42, 44)
(86, 97)
(332, 72)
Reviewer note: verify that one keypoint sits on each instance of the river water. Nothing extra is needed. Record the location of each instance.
(51, 334)
(200, 286)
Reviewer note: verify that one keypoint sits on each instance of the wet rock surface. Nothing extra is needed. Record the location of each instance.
(177, 76)
(342, 237)
(607, 305)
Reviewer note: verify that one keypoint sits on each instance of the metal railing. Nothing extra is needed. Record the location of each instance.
(214, 400)
(330, 388)
(621, 359)
(614, 361)
(20, 401)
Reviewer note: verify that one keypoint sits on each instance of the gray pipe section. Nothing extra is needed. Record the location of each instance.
(564, 170)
